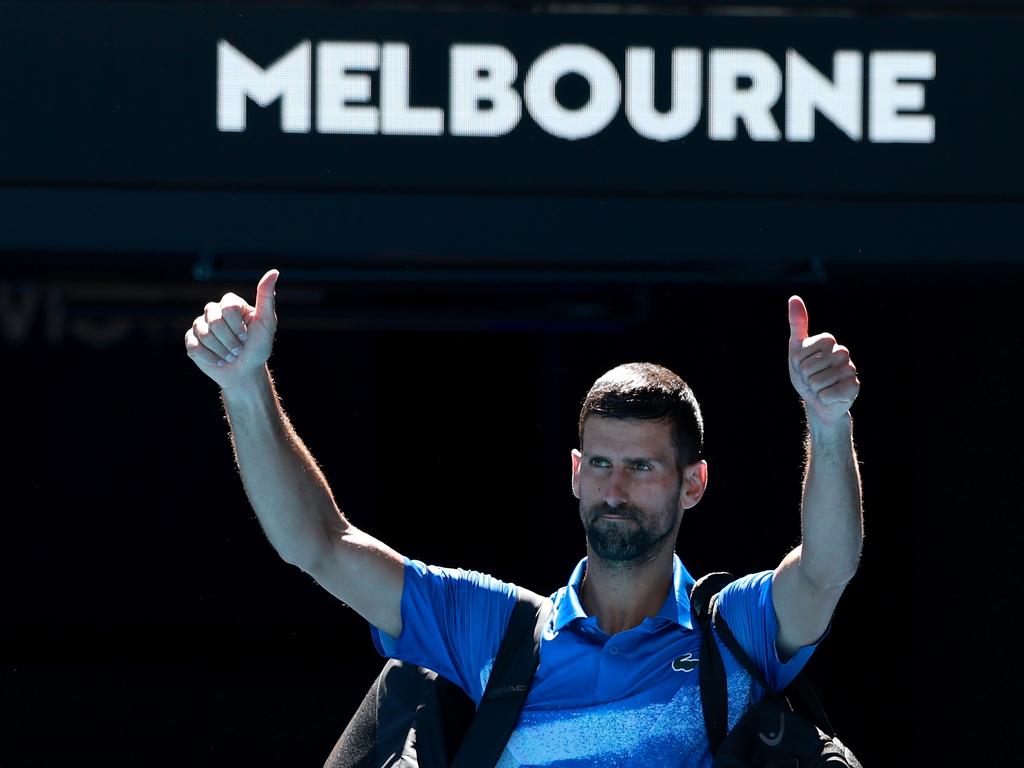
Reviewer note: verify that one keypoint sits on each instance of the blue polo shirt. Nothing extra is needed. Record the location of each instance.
(628, 699)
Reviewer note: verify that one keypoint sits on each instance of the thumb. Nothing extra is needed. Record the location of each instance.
(797, 320)
(265, 297)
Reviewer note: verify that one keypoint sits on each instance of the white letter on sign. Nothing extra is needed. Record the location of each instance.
(684, 111)
(605, 91)
(337, 87)
(483, 73)
(396, 116)
(286, 79)
(729, 103)
(888, 96)
(807, 89)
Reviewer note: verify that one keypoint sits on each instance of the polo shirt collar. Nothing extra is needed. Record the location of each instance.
(675, 609)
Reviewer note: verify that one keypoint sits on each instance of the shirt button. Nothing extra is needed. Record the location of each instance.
(614, 650)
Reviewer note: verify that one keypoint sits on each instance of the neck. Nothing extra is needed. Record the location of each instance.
(622, 597)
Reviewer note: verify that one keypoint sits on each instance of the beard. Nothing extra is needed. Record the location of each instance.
(628, 542)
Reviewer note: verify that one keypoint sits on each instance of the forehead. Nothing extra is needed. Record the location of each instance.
(632, 437)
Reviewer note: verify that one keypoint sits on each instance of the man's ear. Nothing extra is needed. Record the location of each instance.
(577, 459)
(695, 482)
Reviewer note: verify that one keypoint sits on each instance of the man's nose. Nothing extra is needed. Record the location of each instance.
(615, 492)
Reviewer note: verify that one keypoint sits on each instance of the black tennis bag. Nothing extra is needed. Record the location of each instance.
(770, 734)
(413, 718)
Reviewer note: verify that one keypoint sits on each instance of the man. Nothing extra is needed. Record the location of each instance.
(616, 683)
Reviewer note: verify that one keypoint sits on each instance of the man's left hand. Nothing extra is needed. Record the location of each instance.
(820, 369)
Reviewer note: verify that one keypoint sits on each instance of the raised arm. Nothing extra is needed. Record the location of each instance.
(231, 343)
(808, 582)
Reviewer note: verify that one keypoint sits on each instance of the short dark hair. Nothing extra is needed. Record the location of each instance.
(650, 392)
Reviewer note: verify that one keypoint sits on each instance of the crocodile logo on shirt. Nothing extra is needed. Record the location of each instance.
(685, 663)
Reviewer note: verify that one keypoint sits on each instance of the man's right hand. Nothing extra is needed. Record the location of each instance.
(286, 488)
(232, 340)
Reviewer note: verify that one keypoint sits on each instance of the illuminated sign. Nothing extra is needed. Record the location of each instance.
(475, 102)
(743, 86)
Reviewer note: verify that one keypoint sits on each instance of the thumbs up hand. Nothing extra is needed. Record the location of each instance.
(820, 369)
(232, 339)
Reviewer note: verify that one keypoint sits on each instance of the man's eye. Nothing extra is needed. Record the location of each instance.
(644, 466)
(598, 463)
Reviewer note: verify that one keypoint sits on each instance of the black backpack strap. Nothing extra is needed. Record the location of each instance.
(800, 685)
(711, 669)
(718, 621)
(714, 693)
(811, 706)
(508, 685)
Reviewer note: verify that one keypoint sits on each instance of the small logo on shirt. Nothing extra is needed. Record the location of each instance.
(685, 663)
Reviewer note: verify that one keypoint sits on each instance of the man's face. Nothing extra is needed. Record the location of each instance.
(631, 494)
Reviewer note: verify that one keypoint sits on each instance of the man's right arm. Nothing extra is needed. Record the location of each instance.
(285, 486)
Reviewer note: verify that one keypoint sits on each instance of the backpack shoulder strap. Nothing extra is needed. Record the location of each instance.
(722, 628)
(508, 685)
(810, 707)
(714, 693)
(710, 669)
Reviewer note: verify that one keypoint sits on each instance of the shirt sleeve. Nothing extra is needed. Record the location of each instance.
(453, 622)
(750, 613)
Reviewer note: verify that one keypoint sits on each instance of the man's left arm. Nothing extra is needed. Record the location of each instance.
(808, 582)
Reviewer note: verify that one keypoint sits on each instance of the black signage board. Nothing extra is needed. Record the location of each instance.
(137, 95)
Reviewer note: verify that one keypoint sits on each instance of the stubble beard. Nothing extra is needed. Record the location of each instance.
(627, 543)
